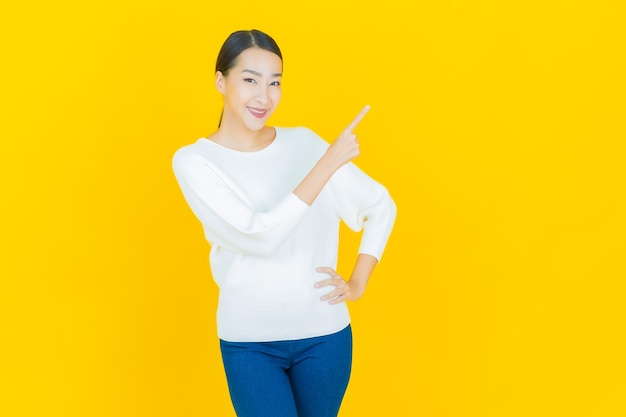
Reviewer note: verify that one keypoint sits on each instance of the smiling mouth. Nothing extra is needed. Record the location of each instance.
(258, 113)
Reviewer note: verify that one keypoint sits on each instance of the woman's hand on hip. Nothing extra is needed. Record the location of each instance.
(344, 290)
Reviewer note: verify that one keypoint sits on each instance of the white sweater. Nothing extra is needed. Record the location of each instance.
(266, 242)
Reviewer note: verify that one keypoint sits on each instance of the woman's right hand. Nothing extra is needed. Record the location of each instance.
(346, 147)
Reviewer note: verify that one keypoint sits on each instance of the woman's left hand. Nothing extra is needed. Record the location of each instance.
(344, 290)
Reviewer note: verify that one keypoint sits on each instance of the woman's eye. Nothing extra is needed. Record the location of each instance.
(249, 80)
(276, 83)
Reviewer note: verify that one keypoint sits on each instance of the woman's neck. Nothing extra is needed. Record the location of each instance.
(242, 139)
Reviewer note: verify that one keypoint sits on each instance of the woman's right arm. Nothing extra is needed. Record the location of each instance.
(343, 150)
(228, 218)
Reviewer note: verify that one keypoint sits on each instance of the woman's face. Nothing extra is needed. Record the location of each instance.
(252, 88)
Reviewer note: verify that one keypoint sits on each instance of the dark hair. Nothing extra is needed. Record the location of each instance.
(238, 42)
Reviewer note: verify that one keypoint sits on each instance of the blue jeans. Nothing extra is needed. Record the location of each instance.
(291, 378)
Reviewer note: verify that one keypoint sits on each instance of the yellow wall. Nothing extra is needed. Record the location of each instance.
(498, 127)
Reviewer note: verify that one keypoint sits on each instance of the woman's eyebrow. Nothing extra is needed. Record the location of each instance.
(258, 74)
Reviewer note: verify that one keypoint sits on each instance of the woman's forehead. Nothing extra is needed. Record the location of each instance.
(260, 61)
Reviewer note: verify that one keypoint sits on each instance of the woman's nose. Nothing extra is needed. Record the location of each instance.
(262, 96)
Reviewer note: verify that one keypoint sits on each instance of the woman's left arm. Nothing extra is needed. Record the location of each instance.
(363, 204)
(352, 289)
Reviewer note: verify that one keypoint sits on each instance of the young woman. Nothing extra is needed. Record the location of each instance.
(270, 200)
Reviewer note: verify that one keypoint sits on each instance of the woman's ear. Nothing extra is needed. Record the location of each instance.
(220, 81)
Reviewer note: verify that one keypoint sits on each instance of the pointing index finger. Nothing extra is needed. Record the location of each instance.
(357, 119)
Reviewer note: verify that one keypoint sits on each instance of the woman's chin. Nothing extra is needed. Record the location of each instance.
(257, 124)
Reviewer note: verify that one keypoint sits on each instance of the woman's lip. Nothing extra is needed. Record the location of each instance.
(258, 113)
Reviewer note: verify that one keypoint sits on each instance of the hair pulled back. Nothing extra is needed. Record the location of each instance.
(238, 42)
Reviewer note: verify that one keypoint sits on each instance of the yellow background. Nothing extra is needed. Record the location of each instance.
(498, 127)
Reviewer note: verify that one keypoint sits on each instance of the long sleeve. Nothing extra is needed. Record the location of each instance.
(266, 242)
(364, 204)
(227, 216)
